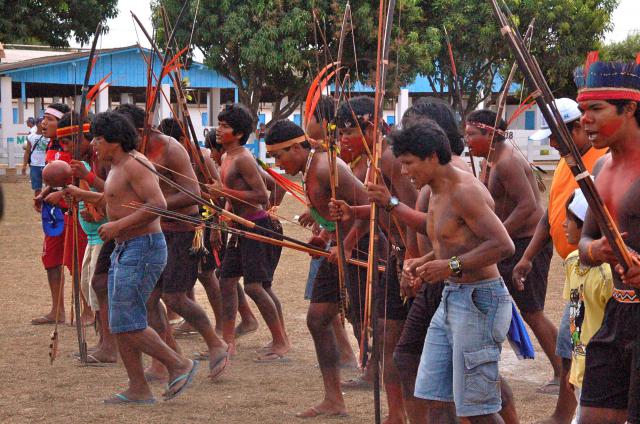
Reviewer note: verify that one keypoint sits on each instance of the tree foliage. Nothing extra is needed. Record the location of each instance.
(53, 22)
(564, 31)
(622, 51)
(272, 49)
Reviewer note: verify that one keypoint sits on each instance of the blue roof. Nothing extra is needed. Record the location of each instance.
(126, 64)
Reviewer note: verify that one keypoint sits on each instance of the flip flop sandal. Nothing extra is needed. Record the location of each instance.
(187, 377)
(120, 399)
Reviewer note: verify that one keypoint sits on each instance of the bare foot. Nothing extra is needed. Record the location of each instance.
(49, 318)
(551, 387)
(156, 375)
(245, 328)
(324, 408)
(105, 356)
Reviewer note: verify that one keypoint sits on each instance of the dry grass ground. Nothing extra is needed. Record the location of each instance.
(32, 391)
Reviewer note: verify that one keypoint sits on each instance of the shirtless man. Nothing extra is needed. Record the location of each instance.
(316, 130)
(518, 204)
(287, 144)
(460, 361)
(140, 256)
(610, 391)
(391, 309)
(179, 276)
(207, 264)
(256, 262)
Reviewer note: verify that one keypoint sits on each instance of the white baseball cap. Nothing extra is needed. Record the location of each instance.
(579, 205)
(569, 111)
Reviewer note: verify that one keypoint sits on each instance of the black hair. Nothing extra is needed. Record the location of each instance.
(134, 113)
(422, 139)
(620, 104)
(239, 119)
(60, 107)
(210, 141)
(570, 214)
(439, 111)
(487, 117)
(115, 128)
(325, 109)
(284, 130)
(171, 127)
(361, 106)
(72, 118)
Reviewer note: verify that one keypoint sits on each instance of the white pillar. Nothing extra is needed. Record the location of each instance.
(126, 98)
(164, 109)
(7, 141)
(102, 102)
(402, 105)
(76, 103)
(213, 106)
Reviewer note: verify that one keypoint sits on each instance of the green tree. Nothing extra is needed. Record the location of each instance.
(52, 22)
(271, 49)
(623, 51)
(564, 31)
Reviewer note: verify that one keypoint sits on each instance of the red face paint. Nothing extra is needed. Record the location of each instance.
(611, 127)
(350, 148)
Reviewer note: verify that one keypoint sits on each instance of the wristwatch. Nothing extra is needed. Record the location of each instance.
(455, 265)
(393, 202)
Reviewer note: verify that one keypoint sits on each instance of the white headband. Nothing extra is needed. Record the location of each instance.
(54, 112)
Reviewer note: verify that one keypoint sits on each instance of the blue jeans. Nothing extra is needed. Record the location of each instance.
(459, 361)
(35, 173)
(136, 265)
(314, 266)
(564, 346)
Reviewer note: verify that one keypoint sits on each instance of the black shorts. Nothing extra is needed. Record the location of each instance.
(181, 272)
(253, 260)
(612, 378)
(104, 257)
(326, 284)
(389, 302)
(208, 261)
(423, 308)
(532, 298)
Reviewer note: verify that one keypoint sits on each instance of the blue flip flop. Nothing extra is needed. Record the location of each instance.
(120, 399)
(187, 376)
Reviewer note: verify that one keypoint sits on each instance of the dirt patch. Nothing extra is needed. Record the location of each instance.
(34, 391)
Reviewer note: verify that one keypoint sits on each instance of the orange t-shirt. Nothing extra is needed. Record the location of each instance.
(562, 186)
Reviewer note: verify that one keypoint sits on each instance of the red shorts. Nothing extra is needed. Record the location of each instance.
(53, 249)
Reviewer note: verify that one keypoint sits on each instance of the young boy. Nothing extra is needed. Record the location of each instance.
(587, 289)
(247, 194)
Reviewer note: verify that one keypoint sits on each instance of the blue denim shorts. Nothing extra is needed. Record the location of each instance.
(564, 346)
(459, 361)
(136, 265)
(35, 174)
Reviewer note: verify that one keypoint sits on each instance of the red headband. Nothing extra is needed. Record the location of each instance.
(486, 127)
(73, 129)
(608, 93)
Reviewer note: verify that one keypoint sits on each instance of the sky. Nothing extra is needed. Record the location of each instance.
(122, 31)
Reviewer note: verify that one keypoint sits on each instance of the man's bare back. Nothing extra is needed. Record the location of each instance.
(172, 160)
(512, 184)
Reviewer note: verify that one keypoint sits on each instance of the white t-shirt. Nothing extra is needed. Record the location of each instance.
(33, 129)
(38, 148)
